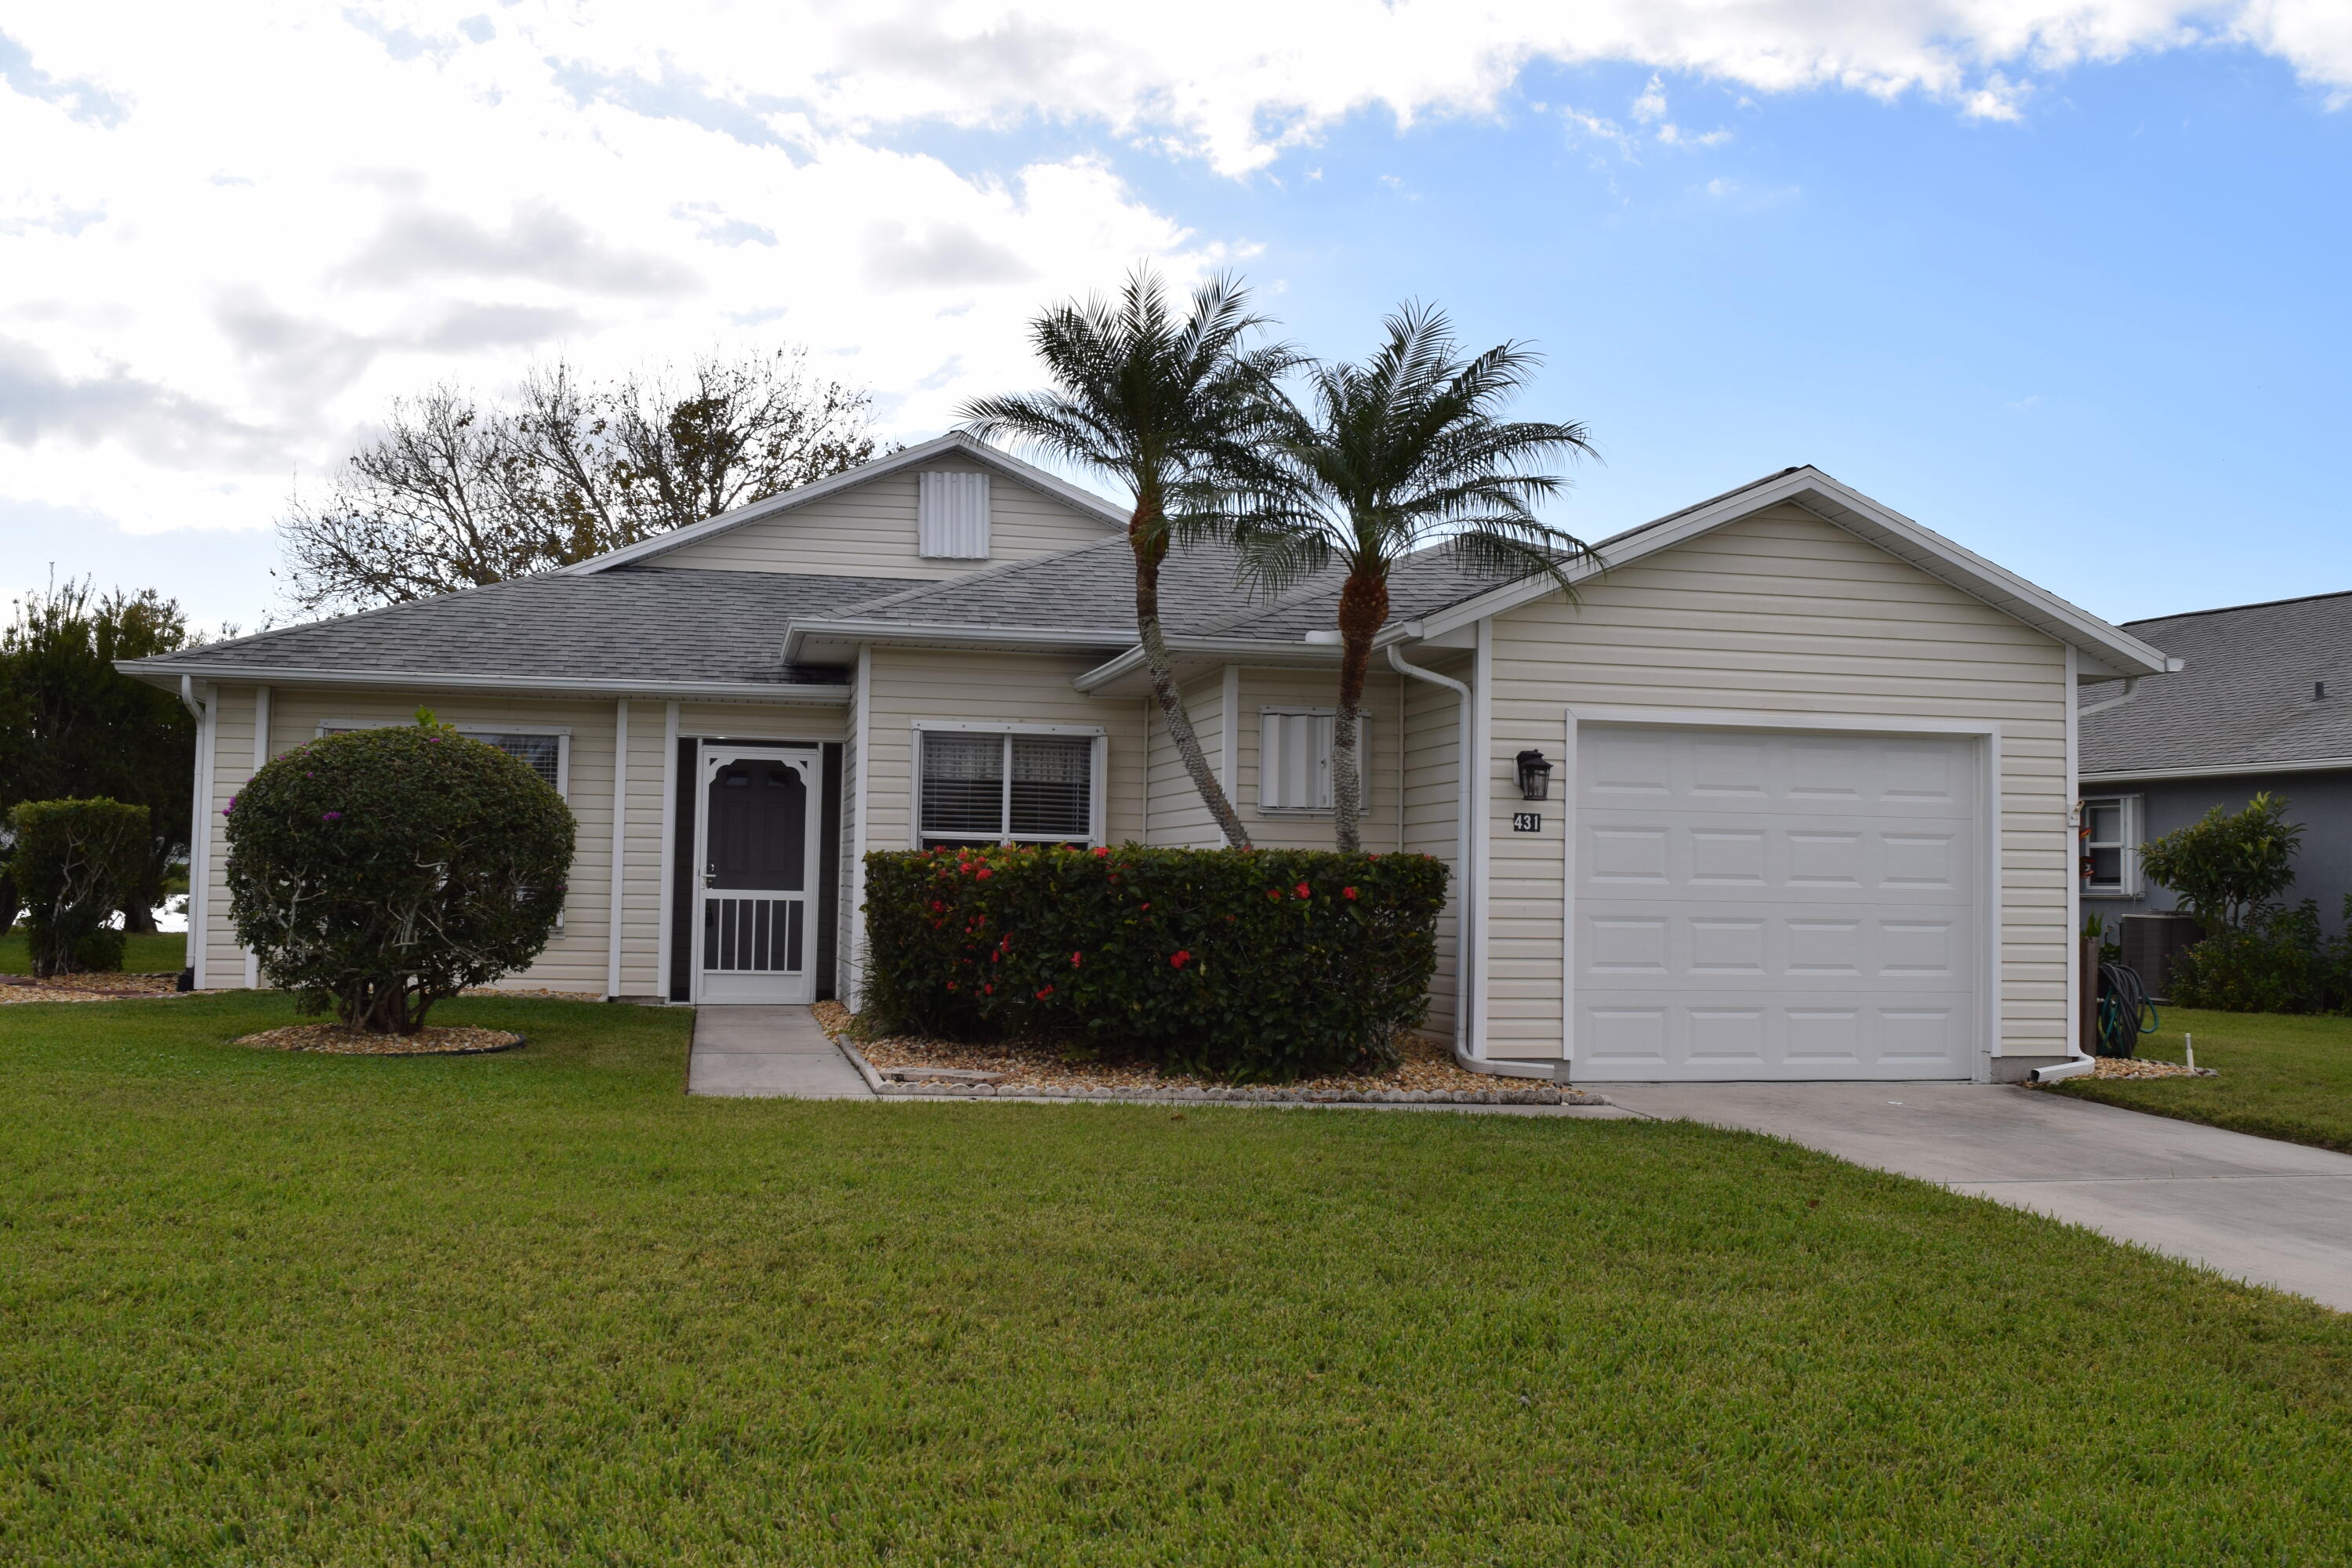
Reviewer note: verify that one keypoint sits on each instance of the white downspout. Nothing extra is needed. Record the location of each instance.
(260, 760)
(200, 833)
(1462, 805)
(619, 861)
(2076, 1063)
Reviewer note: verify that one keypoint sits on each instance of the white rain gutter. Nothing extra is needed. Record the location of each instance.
(2130, 691)
(1462, 922)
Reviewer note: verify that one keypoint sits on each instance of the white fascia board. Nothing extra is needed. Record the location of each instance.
(807, 695)
(1259, 651)
(1866, 520)
(955, 443)
(2224, 770)
(799, 635)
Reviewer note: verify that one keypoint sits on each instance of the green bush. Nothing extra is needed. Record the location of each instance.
(2279, 961)
(1249, 964)
(377, 871)
(74, 862)
(2228, 866)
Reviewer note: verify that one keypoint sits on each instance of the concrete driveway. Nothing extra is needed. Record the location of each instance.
(2276, 1214)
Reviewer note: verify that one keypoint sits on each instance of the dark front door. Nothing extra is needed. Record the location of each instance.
(758, 933)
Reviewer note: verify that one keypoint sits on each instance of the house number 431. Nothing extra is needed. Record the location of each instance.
(1526, 822)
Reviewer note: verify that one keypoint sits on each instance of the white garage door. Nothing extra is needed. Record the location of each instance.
(1753, 904)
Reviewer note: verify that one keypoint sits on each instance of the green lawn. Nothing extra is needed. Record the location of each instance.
(540, 1307)
(2280, 1076)
(142, 954)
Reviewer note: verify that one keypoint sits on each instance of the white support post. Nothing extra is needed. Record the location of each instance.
(669, 847)
(1229, 740)
(862, 709)
(200, 832)
(1482, 704)
(620, 846)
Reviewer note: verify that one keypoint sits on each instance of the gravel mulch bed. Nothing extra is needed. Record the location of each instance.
(1040, 1068)
(2133, 1066)
(432, 1040)
(85, 988)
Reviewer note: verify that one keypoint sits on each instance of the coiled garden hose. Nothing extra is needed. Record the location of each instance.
(2124, 1013)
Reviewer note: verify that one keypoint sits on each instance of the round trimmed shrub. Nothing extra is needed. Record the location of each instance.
(75, 861)
(377, 871)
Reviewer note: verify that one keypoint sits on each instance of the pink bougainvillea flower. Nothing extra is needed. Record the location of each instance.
(331, 816)
(1178, 960)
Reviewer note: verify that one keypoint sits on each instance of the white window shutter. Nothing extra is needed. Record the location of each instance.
(951, 516)
(1294, 758)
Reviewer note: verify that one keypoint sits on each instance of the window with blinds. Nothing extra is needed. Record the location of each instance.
(1294, 757)
(981, 788)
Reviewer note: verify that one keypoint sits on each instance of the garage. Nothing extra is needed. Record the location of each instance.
(1776, 904)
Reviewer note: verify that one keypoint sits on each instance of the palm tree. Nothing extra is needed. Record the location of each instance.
(1172, 407)
(1390, 457)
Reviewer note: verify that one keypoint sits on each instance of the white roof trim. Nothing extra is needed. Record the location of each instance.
(804, 693)
(1257, 652)
(1866, 520)
(955, 443)
(2218, 770)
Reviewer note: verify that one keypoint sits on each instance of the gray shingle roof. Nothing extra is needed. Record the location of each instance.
(2244, 698)
(1088, 592)
(642, 624)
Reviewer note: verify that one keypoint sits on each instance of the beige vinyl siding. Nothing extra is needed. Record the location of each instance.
(1178, 817)
(232, 758)
(1432, 733)
(1780, 613)
(982, 689)
(1263, 689)
(869, 531)
(641, 861)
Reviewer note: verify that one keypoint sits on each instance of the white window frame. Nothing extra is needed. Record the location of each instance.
(1267, 718)
(563, 733)
(1097, 760)
(2129, 813)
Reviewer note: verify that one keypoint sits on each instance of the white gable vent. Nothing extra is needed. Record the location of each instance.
(951, 516)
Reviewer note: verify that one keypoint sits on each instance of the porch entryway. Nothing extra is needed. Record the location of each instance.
(755, 937)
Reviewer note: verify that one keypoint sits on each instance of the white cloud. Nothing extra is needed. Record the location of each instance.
(231, 235)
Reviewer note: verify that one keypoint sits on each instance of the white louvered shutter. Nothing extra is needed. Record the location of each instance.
(951, 516)
(1293, 767)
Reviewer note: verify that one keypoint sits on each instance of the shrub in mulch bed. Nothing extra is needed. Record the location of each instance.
(1241, 965)
(339, 1039)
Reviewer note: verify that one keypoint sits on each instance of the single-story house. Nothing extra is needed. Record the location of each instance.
(1808, 814)
(2263, 704)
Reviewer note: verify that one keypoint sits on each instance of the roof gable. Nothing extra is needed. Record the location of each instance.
(955, 447)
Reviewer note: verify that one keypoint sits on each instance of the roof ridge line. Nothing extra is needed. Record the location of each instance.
(2230, 609)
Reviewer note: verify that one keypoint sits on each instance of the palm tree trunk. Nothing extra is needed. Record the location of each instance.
(1363, 609)
(1148, 552)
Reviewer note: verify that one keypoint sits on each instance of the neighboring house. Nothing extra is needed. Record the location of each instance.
(1808, 816)
(2263, 702)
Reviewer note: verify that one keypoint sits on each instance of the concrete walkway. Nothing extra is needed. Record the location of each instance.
(2276, 1214)
(777, 1052)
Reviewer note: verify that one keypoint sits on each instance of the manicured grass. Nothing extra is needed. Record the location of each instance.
(542, 1308)
(142, 954)
(2279, 1076)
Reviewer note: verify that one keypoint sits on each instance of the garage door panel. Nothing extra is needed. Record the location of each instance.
(1773, 905)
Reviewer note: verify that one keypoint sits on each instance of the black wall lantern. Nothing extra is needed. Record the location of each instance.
(1534, 777)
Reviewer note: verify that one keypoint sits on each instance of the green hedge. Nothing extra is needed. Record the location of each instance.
(75, 862)
(377, 871)
(2280, 961)
(1251, 964)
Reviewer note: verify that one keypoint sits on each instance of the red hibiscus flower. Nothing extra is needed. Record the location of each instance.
(1075, 959)
(1303, 890)
(1046, 992)
(1348, 892)
(1180, 960)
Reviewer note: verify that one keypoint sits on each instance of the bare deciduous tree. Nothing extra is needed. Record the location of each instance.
(459, 491)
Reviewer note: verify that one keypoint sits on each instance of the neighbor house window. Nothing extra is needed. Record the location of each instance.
(992, 787)
(1294, 757)
(547, 753)
(2110, 845)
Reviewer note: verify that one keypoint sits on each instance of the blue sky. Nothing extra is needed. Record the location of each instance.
(2098, 334)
